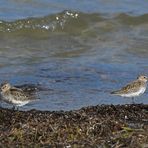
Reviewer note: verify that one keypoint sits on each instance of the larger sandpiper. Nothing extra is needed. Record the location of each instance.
(133, 89)
(14, 95)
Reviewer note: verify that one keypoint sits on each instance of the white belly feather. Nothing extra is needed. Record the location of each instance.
(10, 99)
(134, 94)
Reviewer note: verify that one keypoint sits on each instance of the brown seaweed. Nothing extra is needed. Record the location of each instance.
(93, 126)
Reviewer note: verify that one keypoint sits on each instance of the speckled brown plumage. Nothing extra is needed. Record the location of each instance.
(133, 89)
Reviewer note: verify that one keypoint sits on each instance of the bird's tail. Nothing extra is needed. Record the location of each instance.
(114, 92)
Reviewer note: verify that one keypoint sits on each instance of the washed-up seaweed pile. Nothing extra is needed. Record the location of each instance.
(94, 126)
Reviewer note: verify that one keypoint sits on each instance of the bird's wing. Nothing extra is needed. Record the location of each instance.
(129, 87)
(18, 94)
(15, 88)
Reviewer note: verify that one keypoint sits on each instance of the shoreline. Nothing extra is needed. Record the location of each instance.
(92, 126)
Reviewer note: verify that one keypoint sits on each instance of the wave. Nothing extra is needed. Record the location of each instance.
(68, 21)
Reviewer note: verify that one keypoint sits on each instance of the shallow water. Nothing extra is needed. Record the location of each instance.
(78, 52)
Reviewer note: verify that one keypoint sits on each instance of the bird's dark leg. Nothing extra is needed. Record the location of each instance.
(17, 108)
(13, 108)
(133, 100)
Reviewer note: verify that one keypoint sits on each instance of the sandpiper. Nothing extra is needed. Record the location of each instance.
(14, 95)
(133, 89)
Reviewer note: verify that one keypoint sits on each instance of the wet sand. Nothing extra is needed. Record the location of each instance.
(93, 126)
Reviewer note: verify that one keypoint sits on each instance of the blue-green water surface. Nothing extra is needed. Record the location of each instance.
(77, 51)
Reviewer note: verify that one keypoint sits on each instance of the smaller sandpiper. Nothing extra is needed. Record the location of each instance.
(14, 95)
(133, 89)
